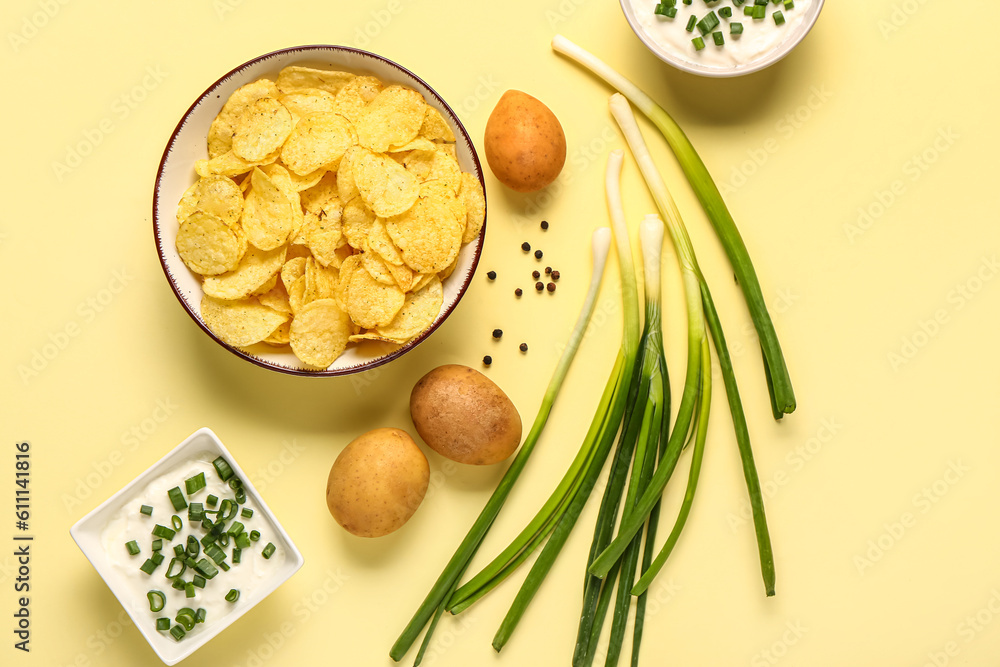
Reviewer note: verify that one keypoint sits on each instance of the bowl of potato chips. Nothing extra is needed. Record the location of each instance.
(319, 210)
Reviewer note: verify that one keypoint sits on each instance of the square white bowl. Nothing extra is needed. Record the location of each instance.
(87, 533)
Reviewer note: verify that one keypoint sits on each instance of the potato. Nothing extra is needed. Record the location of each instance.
(462, 415)
(377, 482)
(525, 144)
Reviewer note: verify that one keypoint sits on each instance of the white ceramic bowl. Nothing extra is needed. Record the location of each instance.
(684, 58)
(187, 144)
(88, 533)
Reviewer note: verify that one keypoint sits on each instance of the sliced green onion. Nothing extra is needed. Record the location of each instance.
(725, 12)
(195, 484)
(147, 510)
(224, 566)
(735, 28)
(177, 498)
(189, 590)
(176, 522)
(206, 569)
(268, 550)
(157, 544)
(692, 20)
(235, 483)
(178, 584)
(173, 573)
(223, 540)
(157, 557)
(708, 24)
(212, 500)
(186, 617)
(235, 528)
(789, 4)
(246, 513)
(179, 551)
(237, 555)
(201, 615)
(193, 546)
(241, 495)
(222, 467)
(215, 553)
(196, 512)
(163, 624)
(242, 541)
(254, 535)
(149, 566)
(133, 547)
(699, 43)
(779, 18)
(156, 600)
(233, 595)
(198, 581)
(164, 532)
(177, 632)
(719, 38)
(227, 510)
(759, 12)
(748, 11)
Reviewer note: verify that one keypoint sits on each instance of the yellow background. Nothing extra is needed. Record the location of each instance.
(870, 571)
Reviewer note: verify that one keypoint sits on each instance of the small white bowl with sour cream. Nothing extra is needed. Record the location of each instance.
(762, 42)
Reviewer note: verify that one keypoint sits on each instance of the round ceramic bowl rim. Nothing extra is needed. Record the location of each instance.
(672, 59)
(326, 372)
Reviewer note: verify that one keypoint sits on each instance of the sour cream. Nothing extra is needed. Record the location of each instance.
(129, 524)
(760, 37)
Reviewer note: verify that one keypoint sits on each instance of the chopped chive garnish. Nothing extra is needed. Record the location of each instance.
(215, 553)
(177, 498)
(223, 540)
(779, 18)
(735, 28)
(157, 544)
(237, 555)
(133, 547)
(193, 546)
(179, 551)
(198, 581)
(241, 495)
(177, 632)
(156, 600)
(196, 512)
(738, 2)
(268, 550)
(149, 566)
(176, 522)
(212, 500)
(691, 21)
(707, 24)
(178, 584)
(748, 10)
(227, 510)
(222, 467)
(759, 3)
(233, 595)
(759, 12)
(157, 557)
(719, 38)
(164, 532)
(163, 624)
(699, 43)
(201, 615)
(242, 541)
(663, 9)
(246, 513)
(235, 483)
(147, 510)
(206, 569)
(189, 590)
(195, 484)
(235, 528)
(789, 4)
(224, 566)
(176, 568)
(254, 535)
(185, 616)
(726, 12)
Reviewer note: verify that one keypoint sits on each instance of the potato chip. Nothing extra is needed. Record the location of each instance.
(283, 179)
(386, 188)
(207, 245)
(295, 77)
(357, 223)
(471, 194)
(420, 280)
(254, 271)
(377, 268)
(379, 241)
(280, 335)
(347, 269)
(292, 270)
(393, 118)
(361, 337)
(402, 274)
(261, 129)
(276, 298)
(418, 144)
(316, 197)
(322, 233)
(297, 294)
(240, 323)
(307, 101)
(318, 141)
(434, 126)
(220, 132)
(371, 303)
(218, 195)
(229, 164)
(267, 213)
(321, 282)
(354, 97)
(302, 183)
(347, 189)
(428, 235)
(319, 332)
(434, 165)
(419, 311)
(443, 275)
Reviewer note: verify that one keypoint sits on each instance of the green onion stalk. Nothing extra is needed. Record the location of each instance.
(776, 373)
(433, 605)
(559, 513)
(695, 403)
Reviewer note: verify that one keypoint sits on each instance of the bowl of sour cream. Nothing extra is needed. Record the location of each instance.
(721, 38)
